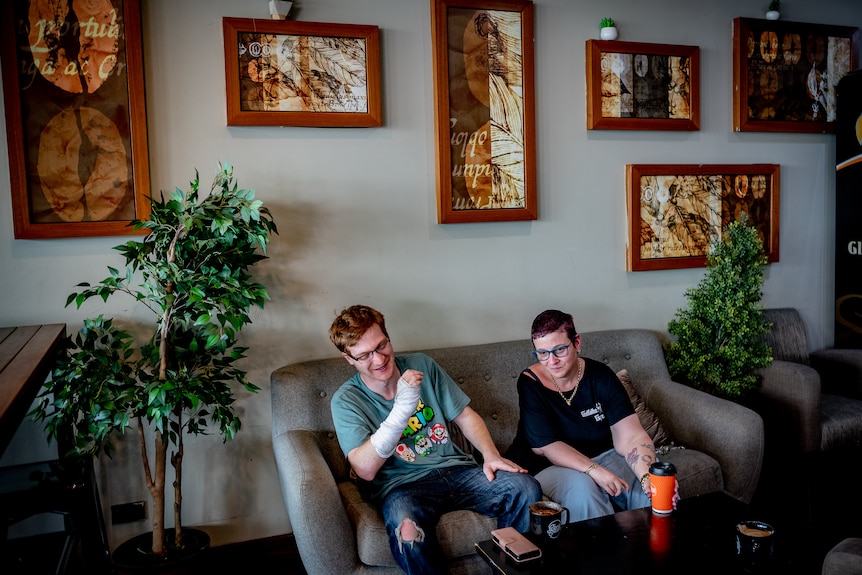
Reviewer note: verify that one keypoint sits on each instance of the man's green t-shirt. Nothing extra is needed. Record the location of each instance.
(425, 444)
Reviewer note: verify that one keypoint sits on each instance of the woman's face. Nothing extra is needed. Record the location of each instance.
(560, 367)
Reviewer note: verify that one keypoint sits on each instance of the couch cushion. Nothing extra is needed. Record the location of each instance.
(696, 472)
(840, 422)
(648, 418)
(457, 531)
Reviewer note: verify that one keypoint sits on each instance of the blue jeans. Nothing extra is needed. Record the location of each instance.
(423, 501)
(584, 499)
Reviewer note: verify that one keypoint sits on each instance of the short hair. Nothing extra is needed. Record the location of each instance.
(350, 325)
(552, 320)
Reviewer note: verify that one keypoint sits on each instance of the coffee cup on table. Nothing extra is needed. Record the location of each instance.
(662, 480)
(547, 519)
(755, 541)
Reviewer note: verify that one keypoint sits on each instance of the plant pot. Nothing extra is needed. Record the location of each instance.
(134, 557)
(608, 33)
(773, 15)
(279, 9)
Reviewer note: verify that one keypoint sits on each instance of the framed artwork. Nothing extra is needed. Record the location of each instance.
(484, 110)
(635, 86)
(76, 127)
(785, 74)
(288, 73)
(674, 211)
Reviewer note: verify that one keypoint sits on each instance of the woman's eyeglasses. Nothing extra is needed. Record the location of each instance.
(545, 354)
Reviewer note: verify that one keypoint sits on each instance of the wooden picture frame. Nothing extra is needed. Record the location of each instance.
(637, 86)
(785, 74)
(76, 123)
(484, 110)
(289, 73)
(675, 210)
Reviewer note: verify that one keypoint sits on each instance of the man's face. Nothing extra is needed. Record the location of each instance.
(380, 365)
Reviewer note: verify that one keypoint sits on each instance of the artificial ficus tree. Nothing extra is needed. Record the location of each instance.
(191, 270)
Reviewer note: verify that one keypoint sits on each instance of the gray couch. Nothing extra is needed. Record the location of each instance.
(339, 533)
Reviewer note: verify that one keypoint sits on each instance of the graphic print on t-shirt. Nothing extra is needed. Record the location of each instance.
(418, 441)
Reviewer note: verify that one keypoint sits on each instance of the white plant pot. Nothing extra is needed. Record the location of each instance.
(608, 33)
(773, 15)
(279, 9)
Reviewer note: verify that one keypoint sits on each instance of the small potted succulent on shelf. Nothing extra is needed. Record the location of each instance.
(773, 12)
(608, 29)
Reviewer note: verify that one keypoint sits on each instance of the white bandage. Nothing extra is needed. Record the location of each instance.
(387, 436)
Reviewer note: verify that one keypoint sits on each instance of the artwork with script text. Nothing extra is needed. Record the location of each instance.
(75, 114)
(484, 110)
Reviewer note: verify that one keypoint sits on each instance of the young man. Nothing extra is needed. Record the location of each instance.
(393, 420)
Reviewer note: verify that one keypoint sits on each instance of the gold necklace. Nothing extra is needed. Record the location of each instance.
(568, 400)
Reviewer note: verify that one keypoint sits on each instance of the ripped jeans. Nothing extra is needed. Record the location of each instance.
(423, 501)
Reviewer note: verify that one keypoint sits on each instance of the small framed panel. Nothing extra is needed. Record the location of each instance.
(636, 86)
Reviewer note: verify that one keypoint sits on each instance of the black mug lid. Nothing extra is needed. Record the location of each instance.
(662, 468)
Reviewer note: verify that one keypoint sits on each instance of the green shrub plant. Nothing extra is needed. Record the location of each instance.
(718, 340)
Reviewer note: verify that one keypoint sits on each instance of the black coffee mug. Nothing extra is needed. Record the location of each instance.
(755, 541)
(546, 518)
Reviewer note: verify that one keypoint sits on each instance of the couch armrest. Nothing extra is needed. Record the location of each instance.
(789, 399)
(314, 505)
(728, 432)
(840, 371)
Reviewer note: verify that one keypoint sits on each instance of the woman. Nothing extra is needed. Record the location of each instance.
(578, 432)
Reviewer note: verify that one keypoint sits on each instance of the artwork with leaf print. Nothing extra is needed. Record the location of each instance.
(483, 79)
(674, 211)
(301, 73)
(785, 74)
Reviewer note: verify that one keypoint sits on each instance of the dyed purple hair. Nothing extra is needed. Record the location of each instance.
(552, 320)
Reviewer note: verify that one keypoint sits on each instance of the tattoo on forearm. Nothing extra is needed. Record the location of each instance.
(647, 457)
(632, 457)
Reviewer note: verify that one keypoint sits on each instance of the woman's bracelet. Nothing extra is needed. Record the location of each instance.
(590, 468)
(644, 478)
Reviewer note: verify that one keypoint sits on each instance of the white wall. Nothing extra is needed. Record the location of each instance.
(356, 212)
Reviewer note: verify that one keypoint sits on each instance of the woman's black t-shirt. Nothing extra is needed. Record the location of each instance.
(600, 402)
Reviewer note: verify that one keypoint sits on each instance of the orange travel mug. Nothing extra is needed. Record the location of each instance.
(662, 480)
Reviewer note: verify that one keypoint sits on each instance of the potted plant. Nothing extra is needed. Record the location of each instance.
(279, 9)
(719, 338)
(608, 29)
(191, 272)
(774, 10)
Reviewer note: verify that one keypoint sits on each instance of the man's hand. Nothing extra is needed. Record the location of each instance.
(492, 466)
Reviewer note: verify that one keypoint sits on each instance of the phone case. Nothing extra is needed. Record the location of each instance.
(516, 546)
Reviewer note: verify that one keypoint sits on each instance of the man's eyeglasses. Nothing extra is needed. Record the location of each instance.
(545, 354)
(384, 347)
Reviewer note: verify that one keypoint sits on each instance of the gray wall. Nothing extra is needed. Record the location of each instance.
(356, 211)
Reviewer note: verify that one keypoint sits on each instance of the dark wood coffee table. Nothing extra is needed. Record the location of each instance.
(699, 538)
